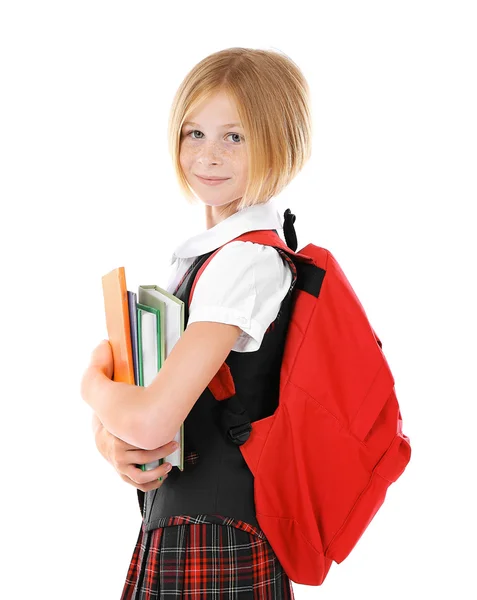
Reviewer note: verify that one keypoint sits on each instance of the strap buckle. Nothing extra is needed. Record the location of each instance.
(240, 434)
(234, 420)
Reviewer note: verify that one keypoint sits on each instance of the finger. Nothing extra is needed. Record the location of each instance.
(141, 477)
(145, 487)
(142, 457)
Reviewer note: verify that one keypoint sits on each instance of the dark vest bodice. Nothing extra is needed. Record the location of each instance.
(216, 479)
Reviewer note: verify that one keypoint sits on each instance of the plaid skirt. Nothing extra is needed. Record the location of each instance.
(202, 557)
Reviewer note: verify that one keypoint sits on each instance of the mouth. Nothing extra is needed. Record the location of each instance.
(212, 180)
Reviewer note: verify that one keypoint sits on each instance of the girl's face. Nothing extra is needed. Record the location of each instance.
(213, 145)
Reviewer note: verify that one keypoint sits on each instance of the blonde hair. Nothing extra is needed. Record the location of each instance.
(272, 99)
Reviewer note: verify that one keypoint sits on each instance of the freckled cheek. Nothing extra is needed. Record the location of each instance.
(239, 166)
(237, 159)
(186, 160)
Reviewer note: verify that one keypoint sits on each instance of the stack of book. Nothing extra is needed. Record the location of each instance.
(142, 330)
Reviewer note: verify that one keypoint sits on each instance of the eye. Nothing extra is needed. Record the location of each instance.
(237, 134)
(194, 131)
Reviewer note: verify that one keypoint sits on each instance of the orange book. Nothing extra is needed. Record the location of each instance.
(117, 323)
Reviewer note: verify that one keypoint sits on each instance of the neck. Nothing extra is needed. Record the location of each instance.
(216, 214)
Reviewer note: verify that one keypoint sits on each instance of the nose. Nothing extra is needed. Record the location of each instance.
(211, 153)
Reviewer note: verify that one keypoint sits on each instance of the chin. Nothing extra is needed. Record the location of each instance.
(211, 201)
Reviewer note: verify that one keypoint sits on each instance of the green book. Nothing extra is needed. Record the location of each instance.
(150, 344)
(150, 353)
(172, 317)
(150, 329)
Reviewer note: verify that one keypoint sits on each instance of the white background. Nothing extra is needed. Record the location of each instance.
(87, 185)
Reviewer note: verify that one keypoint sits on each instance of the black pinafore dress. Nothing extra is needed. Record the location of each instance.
(213, 555)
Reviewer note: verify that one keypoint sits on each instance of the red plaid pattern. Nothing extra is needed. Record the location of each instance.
(202, 558)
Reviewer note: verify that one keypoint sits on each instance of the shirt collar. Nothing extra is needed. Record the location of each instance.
(258, 216)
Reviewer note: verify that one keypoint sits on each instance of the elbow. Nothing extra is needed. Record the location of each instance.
(129, 428)
(140, 434)
(148, 439)
(147, 432)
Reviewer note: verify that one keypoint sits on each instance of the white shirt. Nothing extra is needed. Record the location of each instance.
(244, 283)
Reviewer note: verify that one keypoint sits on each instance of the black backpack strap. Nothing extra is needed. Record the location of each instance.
(289, 230)
(234, 420)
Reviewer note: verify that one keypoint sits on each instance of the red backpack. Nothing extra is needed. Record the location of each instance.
(338, 418)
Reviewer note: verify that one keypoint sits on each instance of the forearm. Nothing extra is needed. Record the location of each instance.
(119, 407)
(96, 423)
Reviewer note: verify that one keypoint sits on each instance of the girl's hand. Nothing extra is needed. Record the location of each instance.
(102, 358)
(126, 458)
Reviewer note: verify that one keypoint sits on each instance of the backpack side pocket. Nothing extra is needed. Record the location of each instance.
(373, 404)
(389, 468)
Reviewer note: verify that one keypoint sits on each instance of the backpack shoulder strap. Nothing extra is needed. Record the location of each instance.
(267, 238)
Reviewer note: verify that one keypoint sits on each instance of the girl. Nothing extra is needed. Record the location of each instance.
(239, 132)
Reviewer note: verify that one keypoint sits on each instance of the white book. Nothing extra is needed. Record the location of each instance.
(156, 297)
(150, 336)
(150, 366)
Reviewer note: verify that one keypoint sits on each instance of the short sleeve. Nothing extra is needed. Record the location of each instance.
(244, 284)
